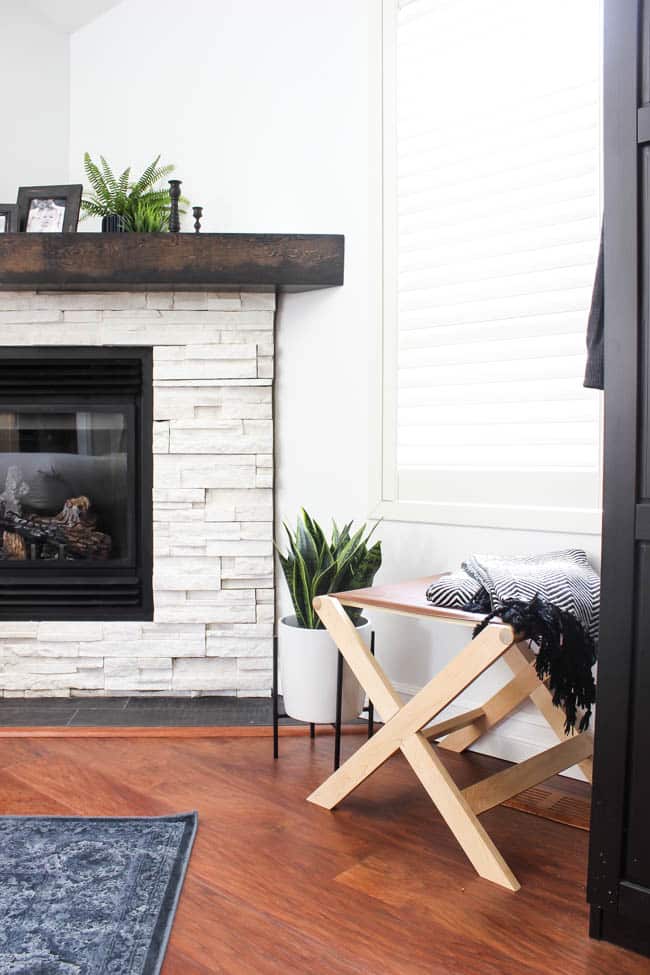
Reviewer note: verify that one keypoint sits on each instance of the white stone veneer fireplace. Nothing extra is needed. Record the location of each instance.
(212, 499)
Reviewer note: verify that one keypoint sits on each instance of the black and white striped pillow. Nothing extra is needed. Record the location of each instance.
(453, 590)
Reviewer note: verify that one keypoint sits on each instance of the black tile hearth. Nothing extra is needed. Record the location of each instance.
(150, 712)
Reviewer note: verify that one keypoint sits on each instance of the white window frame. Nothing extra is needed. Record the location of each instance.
(383, 308)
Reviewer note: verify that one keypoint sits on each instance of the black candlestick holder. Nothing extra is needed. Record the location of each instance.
(174, 196)
(197, 213)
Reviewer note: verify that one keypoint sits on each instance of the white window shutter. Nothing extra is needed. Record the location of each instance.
(496, 155)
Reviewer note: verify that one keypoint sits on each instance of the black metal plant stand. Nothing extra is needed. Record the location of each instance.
(277, 716)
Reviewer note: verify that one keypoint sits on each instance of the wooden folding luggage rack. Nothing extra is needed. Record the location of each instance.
(404, 726)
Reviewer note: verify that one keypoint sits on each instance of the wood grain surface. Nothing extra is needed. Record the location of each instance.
(186, 731)
(408, 599)
(136, 262)
(277, 885)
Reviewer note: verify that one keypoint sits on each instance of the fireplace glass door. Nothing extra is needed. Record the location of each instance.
(76, 483)
(64, 485)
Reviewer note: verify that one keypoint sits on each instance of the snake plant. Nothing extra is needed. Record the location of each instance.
(314, 566)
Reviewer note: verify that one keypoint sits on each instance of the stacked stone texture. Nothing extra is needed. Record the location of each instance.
(212, 500)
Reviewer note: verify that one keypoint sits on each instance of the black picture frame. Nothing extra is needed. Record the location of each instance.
(10, 212)
(70, 196)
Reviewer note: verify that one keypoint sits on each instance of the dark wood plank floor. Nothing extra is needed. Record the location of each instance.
(277, 885)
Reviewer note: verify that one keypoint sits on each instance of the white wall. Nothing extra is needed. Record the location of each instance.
(247, 98)
(35, 102)
(268, 111)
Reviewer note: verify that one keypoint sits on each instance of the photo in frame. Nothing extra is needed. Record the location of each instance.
(49, 209)
(8, 218)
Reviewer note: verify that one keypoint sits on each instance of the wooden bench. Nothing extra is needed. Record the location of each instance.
(405, 723)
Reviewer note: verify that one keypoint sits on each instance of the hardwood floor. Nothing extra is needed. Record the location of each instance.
(278, 885)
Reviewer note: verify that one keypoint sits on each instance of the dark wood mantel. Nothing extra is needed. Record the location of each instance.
(150, 262)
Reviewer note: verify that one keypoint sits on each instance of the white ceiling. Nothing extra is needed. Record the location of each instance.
(70, 15)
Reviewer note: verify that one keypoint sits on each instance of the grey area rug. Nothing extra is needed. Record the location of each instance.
(90, 896)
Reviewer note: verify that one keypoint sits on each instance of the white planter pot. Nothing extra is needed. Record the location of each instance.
(308, 665)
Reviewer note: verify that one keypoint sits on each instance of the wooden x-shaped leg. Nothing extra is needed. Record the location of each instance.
(524, 685)
(402, 730)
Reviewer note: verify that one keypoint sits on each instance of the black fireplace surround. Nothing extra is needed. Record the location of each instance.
(76, 483)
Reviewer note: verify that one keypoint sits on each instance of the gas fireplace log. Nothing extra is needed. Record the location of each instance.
(14, 545)
(71, 532)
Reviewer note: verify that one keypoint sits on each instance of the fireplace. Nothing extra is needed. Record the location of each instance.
(81, 320)
(76, 483)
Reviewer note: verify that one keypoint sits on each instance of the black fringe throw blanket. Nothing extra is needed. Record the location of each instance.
(553, 600)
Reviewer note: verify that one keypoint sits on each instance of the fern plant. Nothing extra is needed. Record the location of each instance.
(314, 566)
(143, 204)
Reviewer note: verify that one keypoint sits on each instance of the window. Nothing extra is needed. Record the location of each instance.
(491, 222)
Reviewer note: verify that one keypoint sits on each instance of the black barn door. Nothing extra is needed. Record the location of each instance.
(619, 861)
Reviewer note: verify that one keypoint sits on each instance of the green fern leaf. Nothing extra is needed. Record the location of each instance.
(147, 179)
(92, 209)
(109, 178)
(123, 182)
(161, 173)
(96, 180)
(156, 198)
